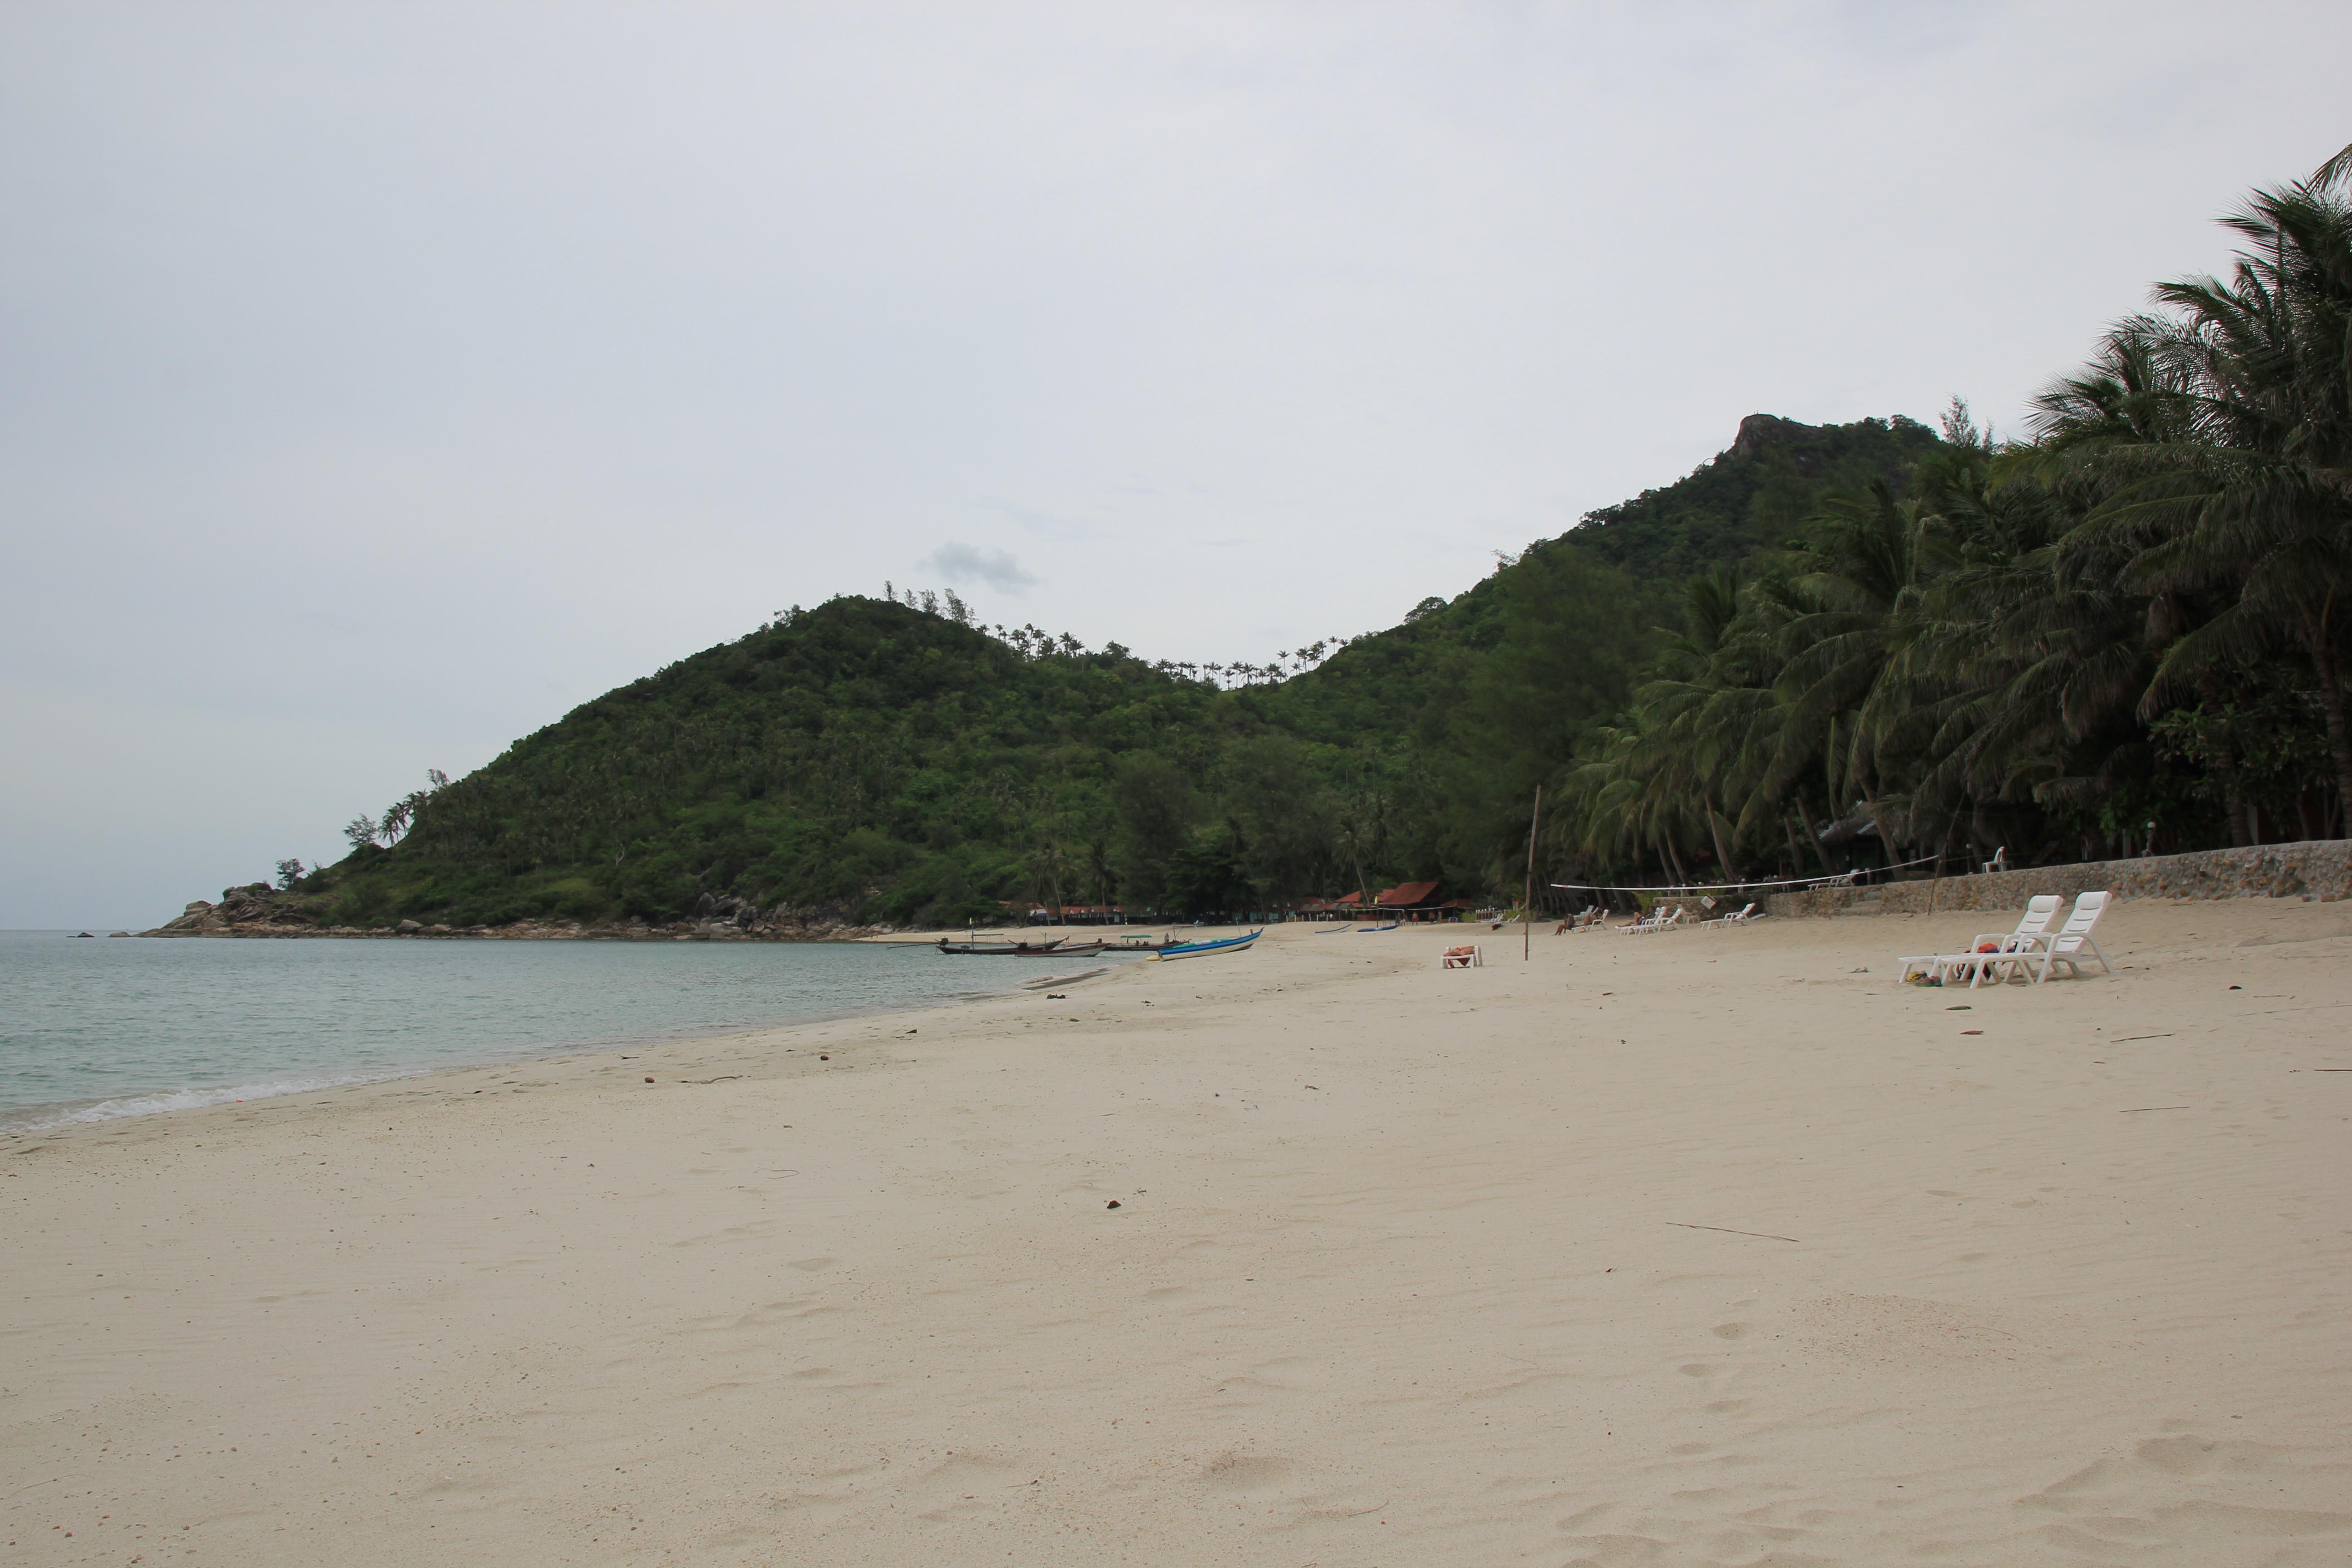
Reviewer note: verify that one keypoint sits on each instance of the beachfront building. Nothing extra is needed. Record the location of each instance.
(1072, 914)
(1406, 902)
(1419, 902)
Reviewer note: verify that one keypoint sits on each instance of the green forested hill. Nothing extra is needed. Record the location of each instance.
(1828, 646)
(869, 760)
(862, 756)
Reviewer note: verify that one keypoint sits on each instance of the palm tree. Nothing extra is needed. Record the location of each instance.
(1864, 563)
(1049, 869)
(1694, 719)
(2337, 171)
(2234, 481)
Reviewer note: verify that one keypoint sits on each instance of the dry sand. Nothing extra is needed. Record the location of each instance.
(1708, 1248)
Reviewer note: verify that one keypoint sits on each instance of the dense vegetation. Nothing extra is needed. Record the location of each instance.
(2128, 633)
(2122, 632)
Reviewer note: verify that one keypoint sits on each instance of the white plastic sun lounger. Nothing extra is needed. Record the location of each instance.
(1986, 948)
(1660, 919)
(2070, 943)
(1737, 918)
(1945, 967)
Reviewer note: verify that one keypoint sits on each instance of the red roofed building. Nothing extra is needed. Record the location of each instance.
(1414, 901)
(1408, 901)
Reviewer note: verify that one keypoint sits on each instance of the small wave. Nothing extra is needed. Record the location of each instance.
(46, 1117)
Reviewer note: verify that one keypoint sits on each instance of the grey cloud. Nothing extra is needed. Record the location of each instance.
(966, 564)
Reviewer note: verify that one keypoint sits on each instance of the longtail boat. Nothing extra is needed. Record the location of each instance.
(1003, 949)
(1196, 949)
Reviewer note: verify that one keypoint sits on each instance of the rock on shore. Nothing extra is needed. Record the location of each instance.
(258, 910)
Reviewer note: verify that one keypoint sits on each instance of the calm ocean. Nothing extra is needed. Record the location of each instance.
(121, 1026)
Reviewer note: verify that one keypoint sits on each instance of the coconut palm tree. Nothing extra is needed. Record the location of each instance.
(1049, 872)
(2334, 173)
(2232, 467)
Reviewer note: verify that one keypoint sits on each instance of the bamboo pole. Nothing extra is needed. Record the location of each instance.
(1527, 899)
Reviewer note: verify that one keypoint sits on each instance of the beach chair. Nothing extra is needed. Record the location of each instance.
(1468, 957)
(2068, 943)
(1662, 919)
(1985, 947)
(1737, 918)
(1944, 967)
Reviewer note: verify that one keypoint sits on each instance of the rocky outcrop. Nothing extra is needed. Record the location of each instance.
(725, 908)
(255, 905)
(2320, 869)
(1759, 431)
(258, 910)
(724, 915)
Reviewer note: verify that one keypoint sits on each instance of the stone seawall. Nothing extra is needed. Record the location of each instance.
(2321, 868)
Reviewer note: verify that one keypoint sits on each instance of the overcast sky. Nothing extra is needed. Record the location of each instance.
(379, 383)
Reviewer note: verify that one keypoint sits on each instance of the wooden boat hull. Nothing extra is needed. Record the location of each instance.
(1202, 949)
(1001, 949)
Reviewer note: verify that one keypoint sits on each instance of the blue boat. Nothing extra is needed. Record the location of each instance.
(1195, 949)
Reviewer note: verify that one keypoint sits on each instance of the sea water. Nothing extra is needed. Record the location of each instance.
(124, 1026)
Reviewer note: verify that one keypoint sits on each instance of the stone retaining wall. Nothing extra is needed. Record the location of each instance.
(2321, 868)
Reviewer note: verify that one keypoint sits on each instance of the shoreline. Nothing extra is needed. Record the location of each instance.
(676, 932)
(1706, 1244)
(497, 933)
(291, 1082)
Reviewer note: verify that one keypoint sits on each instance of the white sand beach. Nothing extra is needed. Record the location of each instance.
(1704, 1247)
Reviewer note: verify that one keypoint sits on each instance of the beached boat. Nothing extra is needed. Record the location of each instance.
(1195, 949)
(1003, 949)
(1097, 945)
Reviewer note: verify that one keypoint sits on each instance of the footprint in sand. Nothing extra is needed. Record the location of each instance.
(1246, 1472)
(2200, 1493)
